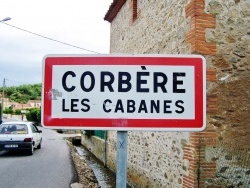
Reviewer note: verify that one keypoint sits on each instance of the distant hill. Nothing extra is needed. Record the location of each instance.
(23, 93)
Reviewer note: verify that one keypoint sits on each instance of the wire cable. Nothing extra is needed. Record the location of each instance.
(50, 38)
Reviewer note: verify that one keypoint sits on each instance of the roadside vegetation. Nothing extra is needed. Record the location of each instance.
(22, 94)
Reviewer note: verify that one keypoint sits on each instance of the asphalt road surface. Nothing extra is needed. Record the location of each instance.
(48, 167)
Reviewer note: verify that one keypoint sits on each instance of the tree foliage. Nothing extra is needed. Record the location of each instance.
(8, 111)
(34, 115)
(23, 93)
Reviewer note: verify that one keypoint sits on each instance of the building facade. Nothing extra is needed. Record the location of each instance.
(220, 31)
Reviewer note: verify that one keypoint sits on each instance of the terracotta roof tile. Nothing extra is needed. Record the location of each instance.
(114, 9)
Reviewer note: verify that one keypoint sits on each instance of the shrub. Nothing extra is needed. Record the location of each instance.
(8, 111)
(34, 115)
(17, 112)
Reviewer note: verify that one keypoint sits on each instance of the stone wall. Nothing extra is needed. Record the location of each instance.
(232, 121)
(155, 159)
(160, 28)
(219, 30)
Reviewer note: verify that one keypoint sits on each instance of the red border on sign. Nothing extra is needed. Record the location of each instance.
(125, 124)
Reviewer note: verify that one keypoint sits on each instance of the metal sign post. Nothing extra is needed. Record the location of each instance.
(121, 161)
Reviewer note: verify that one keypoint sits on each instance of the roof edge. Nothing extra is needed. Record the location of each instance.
(114, 8)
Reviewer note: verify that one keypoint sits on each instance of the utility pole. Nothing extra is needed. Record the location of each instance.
(2, 106)
(1, 120)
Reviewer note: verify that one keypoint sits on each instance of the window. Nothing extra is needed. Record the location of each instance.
(13, 129)
(34, 129)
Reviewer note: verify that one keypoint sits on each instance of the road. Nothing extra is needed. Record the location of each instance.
(49, 167)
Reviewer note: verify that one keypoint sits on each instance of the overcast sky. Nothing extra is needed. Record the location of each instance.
(76, 22)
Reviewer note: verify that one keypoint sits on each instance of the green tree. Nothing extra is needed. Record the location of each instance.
(34, 115)
(17, 112)
(19, 97)
(23, 93)
(39, 116)
(8, 110)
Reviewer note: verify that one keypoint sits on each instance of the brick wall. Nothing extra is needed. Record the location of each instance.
(199, 22)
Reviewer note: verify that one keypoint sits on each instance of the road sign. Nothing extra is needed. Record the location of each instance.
(131, 92)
